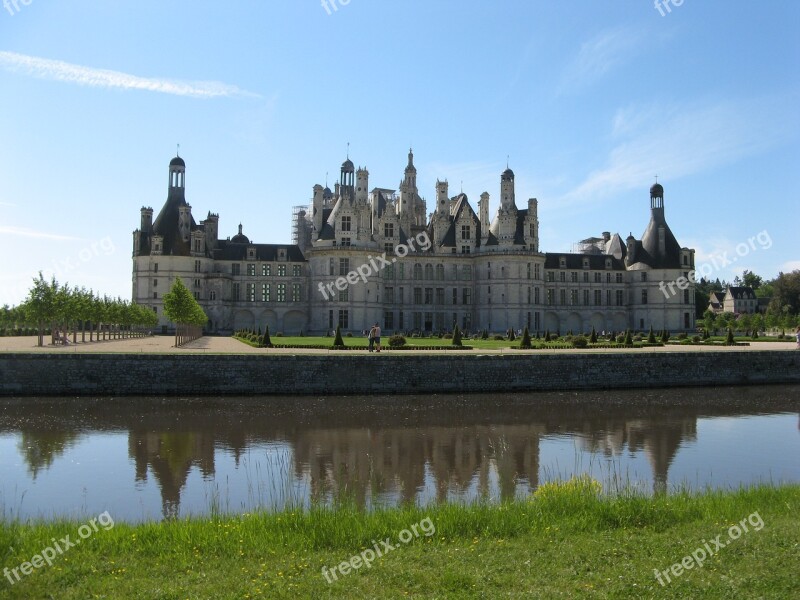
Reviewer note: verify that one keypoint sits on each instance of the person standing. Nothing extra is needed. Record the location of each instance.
(797, 337)
(377, 337)
(371, 338)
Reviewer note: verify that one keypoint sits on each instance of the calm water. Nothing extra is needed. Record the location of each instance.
(150, 458)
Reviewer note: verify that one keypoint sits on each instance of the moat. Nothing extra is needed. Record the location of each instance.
(152, 458)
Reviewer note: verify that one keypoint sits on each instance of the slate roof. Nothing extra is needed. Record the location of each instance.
(597, 262)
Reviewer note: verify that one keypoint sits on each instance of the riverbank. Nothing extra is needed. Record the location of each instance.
(564, 541)
(65, 372)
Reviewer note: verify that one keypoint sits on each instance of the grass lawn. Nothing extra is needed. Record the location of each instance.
(565, 541)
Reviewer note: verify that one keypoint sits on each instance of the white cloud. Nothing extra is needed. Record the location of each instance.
(792, 265)
(24, 232)
(598, 56)
(57, 70)
(675, 141)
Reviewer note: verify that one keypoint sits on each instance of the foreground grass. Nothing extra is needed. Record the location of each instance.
(565, 542)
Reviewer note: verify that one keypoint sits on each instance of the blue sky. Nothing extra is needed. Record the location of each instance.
(589, 99)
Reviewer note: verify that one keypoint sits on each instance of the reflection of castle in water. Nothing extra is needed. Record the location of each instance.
(379, 453)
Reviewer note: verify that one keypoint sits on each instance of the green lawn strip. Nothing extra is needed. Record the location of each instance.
(565, 544)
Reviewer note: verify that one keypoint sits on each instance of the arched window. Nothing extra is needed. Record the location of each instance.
(440, 272)
(428, 271)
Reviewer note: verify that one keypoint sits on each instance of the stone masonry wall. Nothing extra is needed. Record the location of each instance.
(205, 375)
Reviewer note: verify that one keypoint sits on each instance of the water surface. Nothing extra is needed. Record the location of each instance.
(149, 458)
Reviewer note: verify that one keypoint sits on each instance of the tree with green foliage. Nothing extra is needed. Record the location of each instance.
(628, 338)
(338, 342)
(456, 336)
(266, 342)
(593, 336)
(526, 338)
(651, 337)
(729, 341)
(181, 308)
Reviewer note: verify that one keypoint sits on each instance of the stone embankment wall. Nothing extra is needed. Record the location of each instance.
(206, 375)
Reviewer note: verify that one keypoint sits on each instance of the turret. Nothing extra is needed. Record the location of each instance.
(317, 207)
(442, 201)
(147, 219)
(630, 257)
(362, 184)
(177, 176)
(211, 227)
(507, 200)
(185, 221)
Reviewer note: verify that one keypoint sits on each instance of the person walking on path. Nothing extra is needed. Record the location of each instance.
(377, 337)
(797, 337)
(371, 338)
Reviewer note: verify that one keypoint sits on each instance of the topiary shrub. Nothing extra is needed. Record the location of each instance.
(279, 334)
(637, 337)
(682, 335)
(448, 336)
(627, 340)
(547, 337)
(348, 334)
(593, 336)
(579, 341)
(456, 336)
(266, 342)
(338, 342)
(526, 339)
(695, 338)
(651, 337)
(511, 335)
(729, 341)
(397, 341)
(498, 338)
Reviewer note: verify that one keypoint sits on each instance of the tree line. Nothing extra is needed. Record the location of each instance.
(51, 307)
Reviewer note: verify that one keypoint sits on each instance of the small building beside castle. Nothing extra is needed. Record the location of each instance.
(361, 256)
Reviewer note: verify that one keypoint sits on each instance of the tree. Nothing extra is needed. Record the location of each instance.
(593, 336)
(751, 280)
(266, 342)
(456, 336)
(338, 342)
(786, 294)
(181, 308)
(628, 338)
(729, 341)
(708, 320)
(526, 338)
(39, 306)
(651, 337)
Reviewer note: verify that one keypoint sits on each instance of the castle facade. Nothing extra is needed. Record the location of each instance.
(362, 256)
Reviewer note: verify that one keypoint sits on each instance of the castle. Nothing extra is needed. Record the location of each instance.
(362, 256)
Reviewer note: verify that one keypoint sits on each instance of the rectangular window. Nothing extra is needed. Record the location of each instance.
(155, 267)
(400, 296)
(346, 222)
(388, 295)
(550, 276)
(155, 295)
(236, 268)
(388, 272)
(265, 292)
(251, 270)
(440, 296)
(619, 277)
(573, 297)
(586, 277)
(466, 273)
(388, 320)
(598, 297)
(686, 296)
(332, 266)
(644, 276)
(428, 295)
(344, 319)
(608, 277)
(197, 266)
(620, 298)
(281, 270)
(401, 274)
(455, 296)
(346, 242)
(597, 277)
(266, 270)
(155, 282)
(197, 295)
(388, 230)
(212, 295)
(281, 295)
(251, 292)
(550, 297)
(417, 295)
(344, 266)
(536, 295)
(529, 270)
(466, 234)
(197, 283)
(417, 320)
(536, 271)
(344, 295)
(465, 250)
(297, 270)
(466, 296)
(297, 292)
(529, 295)
(562, 276)
(586, 297)
(573, 276)
(388, 247)
(608, 297)
(644, 296)
(236, 292)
